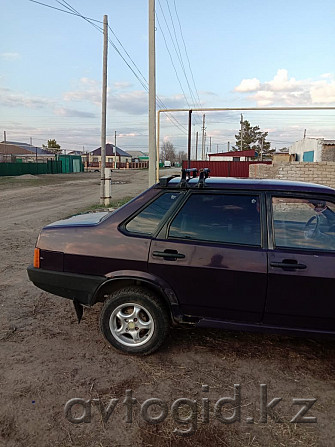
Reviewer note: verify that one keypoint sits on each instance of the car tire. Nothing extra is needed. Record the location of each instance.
(134, 321)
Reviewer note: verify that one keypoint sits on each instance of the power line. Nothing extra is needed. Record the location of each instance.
(73, 11)
(174, 67)
(189, 63)
(195, 100)
(145, 84)
(177, 48)
(62, 10)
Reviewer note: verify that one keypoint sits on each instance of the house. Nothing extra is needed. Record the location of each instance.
(313, 150)
(233, 156)
(282, 157)
(122, 156)
(137, 156)
(23, 151)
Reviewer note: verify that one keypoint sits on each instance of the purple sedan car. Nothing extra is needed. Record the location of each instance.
(230, 253)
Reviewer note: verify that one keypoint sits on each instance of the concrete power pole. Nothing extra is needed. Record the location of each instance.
(262, 145)
(241, 132)
(103, 199)
(203, 138)
(153, 177)
(5, 141)
(196, 145)
(115, 150)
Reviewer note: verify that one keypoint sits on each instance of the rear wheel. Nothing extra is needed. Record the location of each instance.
(134, 321)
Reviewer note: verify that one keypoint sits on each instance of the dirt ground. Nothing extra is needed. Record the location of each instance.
(46, 358)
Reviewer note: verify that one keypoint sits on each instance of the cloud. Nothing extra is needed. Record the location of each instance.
(134, 103)
(289, 91)
(62, 111)
(10, 99)
(248, 85)
(10, 56)
(207, 93)
(121, 85)
(323, 92)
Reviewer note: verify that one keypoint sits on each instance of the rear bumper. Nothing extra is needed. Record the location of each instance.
(81, 288)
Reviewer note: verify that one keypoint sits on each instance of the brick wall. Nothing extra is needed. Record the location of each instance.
(322, 173)
(328, 153)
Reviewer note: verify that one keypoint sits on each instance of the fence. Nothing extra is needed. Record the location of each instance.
(322, 172)
(71, 163)
(131, 165)
(50, 167)
(224, 168)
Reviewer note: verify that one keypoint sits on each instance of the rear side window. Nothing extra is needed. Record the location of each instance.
(147, 221)
(232, 219)
(303, 223)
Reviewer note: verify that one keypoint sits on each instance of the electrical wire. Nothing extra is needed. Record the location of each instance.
(177, 49)
(144, 83)
(62, 10)
(173, 65)
(189, 63)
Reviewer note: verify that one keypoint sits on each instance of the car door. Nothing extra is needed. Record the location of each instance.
(212, 253)
(301, 262)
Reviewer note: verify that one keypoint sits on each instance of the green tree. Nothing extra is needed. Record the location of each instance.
(53, 147)
(168, 152)
(253, 139)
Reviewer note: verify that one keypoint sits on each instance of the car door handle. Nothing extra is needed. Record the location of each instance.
(288, 265)
(169, 254)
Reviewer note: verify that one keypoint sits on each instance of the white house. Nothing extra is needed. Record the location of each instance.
(313, 149)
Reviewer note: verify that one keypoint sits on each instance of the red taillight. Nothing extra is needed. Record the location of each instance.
(37, 258)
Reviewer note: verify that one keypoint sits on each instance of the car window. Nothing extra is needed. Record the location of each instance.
(303, 223)
(147, 221)
(220, 218)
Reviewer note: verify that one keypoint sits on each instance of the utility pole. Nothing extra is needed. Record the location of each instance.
(262, 144)
(153, 171)
(241, 132)
(114, 165)
(189, 139)
(217, 148)
(210, 144)
(103, 199)
(228, 146)
(5, 141)
(196, 145)
(203, 137)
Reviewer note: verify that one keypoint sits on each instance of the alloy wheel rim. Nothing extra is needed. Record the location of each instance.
(131, 324)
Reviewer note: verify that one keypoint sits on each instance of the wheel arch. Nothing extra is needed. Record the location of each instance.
(165, 293)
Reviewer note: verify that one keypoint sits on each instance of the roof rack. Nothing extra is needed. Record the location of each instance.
(204, 173)
(164, 181)
(186, 175)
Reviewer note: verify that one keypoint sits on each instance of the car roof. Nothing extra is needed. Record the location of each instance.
(250, 184)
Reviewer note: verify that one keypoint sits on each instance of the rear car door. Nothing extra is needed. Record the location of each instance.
(211, 251)
(301, 261)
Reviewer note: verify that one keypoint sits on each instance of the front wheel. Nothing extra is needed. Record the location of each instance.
(134, 321)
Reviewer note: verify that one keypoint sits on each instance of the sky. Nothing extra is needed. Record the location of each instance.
(220, 54)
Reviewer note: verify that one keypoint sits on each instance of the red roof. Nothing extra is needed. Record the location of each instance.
(250, 153)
